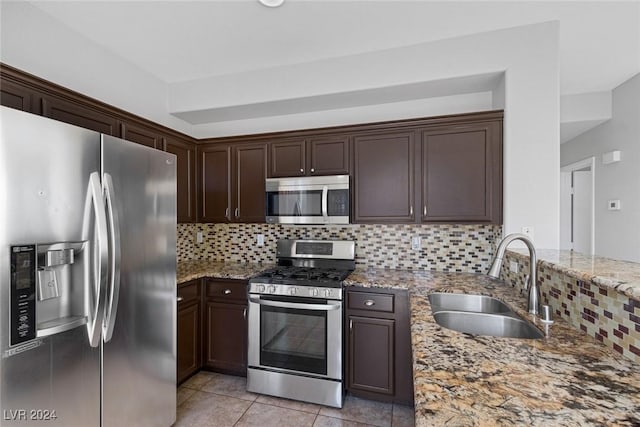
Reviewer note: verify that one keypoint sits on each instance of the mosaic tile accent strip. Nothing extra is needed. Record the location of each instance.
(446, 247)
(605, 313)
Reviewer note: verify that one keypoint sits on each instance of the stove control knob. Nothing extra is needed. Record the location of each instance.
(272, 289)
(314, 292)
(293, 291)
(260, 288)
(327, 293)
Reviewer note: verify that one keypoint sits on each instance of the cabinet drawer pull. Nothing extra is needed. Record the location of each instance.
(312, 170)
(369, 303)
(301, 170)
(424, 210)
(227, 291)
(411, 211)
(179, 299)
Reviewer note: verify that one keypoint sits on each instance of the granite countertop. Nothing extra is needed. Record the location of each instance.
(191, 270)
(623, 276)
(566, 378)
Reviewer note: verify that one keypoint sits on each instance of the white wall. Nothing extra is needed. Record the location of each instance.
(32, 41)
(617, 233)
(528, 56)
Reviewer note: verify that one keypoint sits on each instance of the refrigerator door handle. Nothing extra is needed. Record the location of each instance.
(114, 277)
(96, 305)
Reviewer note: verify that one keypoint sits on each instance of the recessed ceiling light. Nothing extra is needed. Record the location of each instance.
(271, 3)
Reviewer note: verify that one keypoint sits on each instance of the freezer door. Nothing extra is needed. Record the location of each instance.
(47, 377)
(139, 352)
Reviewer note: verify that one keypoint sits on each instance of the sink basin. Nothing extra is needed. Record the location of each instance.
(496, 325)
(465, 302)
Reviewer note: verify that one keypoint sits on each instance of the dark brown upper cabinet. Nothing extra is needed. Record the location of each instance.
(215, 187)
(314, 156)
(141, 135)
(186, 177)
(288, 158)
(462, 173)
(233, 182)
(383, 177)
(76, 114)
(328, 155)
(249, 174)
(16, 96)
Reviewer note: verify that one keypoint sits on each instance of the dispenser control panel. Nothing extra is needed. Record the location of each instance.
(23, 293)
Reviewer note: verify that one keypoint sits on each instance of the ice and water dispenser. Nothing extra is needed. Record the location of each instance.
(48, 289)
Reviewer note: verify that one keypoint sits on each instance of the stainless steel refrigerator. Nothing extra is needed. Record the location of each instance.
(87, 278)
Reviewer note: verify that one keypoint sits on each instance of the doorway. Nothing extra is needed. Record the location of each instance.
(577, 222)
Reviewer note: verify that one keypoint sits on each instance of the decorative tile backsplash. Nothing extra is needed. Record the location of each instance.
(445, 247)
(604, 313)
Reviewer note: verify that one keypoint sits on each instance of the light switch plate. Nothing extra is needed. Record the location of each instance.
(613, 205)
(416, 243)
(260, 239)
(513, 266)
(199, 237)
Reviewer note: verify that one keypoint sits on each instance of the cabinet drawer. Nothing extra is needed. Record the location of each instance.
(188, 292)
(371, 301)
(227, 290)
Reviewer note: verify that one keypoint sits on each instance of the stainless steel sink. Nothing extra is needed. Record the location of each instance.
(497, 325)
(465, 302)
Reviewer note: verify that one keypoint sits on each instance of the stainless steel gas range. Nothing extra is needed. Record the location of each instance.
(295, 322)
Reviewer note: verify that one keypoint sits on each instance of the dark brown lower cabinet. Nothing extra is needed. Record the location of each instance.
(379, 364)
(226, 338)
(189, 328)
(226, 326)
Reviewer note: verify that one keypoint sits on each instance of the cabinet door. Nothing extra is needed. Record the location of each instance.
(328, 156)
(79, 115)
(186, 168)
(371, 355)
(215, 164)
(15, 96)
(250, 172)
(287, 158)
(226, 337)
(188, 341)
(384, 177)
(461, 173)
(140, 135)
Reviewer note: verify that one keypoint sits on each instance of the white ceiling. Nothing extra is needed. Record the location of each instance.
(179, 41)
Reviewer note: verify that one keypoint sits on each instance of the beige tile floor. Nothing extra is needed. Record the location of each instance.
(214, 400)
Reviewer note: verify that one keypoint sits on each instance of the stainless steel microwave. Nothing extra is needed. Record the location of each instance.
(308, 200)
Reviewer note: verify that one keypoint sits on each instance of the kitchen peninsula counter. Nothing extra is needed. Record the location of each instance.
(192, 270)
(567, 378)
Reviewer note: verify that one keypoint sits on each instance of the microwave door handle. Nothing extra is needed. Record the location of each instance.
(325, 202)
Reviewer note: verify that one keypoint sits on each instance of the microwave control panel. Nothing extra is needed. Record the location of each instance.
(23, 293)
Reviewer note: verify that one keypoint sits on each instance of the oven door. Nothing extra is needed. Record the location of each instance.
(296, 335)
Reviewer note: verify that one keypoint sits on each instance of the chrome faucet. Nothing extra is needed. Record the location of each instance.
(533, 303)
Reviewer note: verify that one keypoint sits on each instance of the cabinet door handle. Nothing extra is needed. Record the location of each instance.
(179, 299)
(226, 213)
(411, 211)
(350, 325)
(244, 313)
(424, 210)
(369, 303)
(237, 212)
(227, 291)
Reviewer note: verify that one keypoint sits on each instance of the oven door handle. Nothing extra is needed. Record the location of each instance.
(300, 306)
